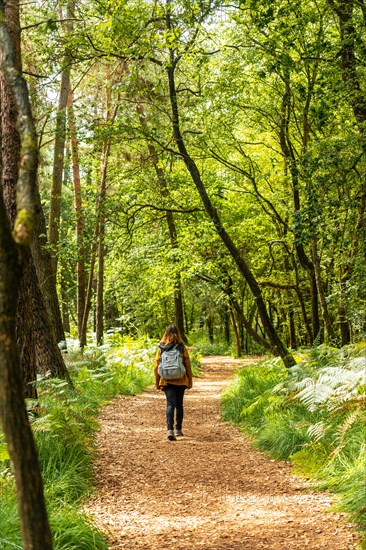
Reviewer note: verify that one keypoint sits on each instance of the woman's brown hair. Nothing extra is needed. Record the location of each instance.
(171, 335)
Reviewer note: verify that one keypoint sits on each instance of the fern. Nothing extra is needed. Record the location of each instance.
(313, 414)
(318, 430)
(357, 415)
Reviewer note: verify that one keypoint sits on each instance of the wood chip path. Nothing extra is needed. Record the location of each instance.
(209, 489)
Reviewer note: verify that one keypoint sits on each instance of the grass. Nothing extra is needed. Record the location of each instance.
(64, 423)
(313, 415)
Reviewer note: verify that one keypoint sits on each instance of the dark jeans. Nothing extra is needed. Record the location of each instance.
(174, 402)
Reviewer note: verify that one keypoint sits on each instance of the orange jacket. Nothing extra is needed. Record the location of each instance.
(186, 380)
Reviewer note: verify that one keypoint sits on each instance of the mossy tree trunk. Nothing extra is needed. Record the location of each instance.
(13, 414)
(35, 352)
(43, 265)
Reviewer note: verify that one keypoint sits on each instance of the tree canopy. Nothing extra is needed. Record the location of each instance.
(220, 149)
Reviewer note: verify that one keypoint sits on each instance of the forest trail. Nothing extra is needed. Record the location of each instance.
(209, 489)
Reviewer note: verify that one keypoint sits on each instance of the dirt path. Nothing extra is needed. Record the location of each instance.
(210, 489)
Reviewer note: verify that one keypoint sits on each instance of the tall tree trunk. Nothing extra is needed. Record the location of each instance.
(99, 329)
(65, 302)
(236, 333)
(80, 264)
(89, 290)
(26, 341)
(278, 348)
(210, 328)
(291, 315)
(43, 264)
(227, 324)
(59, 153)
(10, 159)
(349, 62)
(58, 164)
(178, 295)
(290, 159)
(30, 342)
(330, 337)
(13, 415)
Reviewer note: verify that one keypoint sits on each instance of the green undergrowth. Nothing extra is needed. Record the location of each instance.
(220, 347)
(314, 415)
(64, 425)
(201, 344)
(195, 358)
(214, 348)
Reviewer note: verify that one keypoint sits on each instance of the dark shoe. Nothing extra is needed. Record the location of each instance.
(179, 433)
(171, 435)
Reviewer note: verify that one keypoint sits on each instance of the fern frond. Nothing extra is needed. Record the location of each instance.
(349, 421)
(314, 395)
(318, 430)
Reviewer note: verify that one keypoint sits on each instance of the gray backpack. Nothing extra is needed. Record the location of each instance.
(171, 364)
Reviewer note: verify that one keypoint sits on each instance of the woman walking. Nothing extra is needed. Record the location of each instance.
(173, 388)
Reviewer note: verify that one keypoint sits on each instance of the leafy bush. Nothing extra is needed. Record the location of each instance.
(64, 425)
(313, 414)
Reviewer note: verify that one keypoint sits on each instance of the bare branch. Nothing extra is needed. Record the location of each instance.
(47, 22)
(161, 209)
